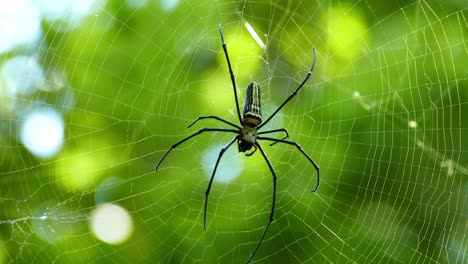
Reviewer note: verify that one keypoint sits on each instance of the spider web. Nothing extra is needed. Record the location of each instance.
(384, 115)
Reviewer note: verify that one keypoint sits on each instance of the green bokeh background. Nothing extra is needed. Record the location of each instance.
(390, 192)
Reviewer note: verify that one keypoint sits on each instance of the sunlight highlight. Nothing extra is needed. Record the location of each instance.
(42, 132)
(412, 124)
(19, 25)
(68, 15)
(229, 167)
(245, 55)
(111, 223)
(169, 5)
(254, 35)
(357, 96)
(346, 33)
(78, 169)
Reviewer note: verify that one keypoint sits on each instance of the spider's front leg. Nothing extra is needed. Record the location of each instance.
(191, 136)
(253, 151)
(214, 117)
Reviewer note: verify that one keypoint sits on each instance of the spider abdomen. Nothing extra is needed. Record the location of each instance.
(252, 114)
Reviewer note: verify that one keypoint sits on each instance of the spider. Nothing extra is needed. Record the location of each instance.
(248, 134)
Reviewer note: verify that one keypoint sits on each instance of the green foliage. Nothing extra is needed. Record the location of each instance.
(384, 115)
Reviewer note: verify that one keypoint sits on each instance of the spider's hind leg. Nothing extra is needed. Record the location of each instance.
(208, 189)
(272, 212)
(292, 143)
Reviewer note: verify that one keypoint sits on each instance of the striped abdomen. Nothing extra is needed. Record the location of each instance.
(252, 114)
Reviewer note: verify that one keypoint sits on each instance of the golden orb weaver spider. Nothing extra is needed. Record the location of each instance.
(248, 135)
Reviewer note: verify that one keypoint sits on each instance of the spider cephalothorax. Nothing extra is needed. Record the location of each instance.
(247, 135)
(247, 139)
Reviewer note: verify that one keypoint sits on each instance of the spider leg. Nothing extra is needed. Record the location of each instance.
(273, 172)
(274, 131)
(233, 80)
(208, 189)
(191, 136)
(301, 150)
(251, 153)
(214, 117)
(293, 94)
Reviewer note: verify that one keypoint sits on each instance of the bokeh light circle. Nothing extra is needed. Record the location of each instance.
(229, 167)
(42, 132)
(22, 75)
(19, 25)
(111, 223)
